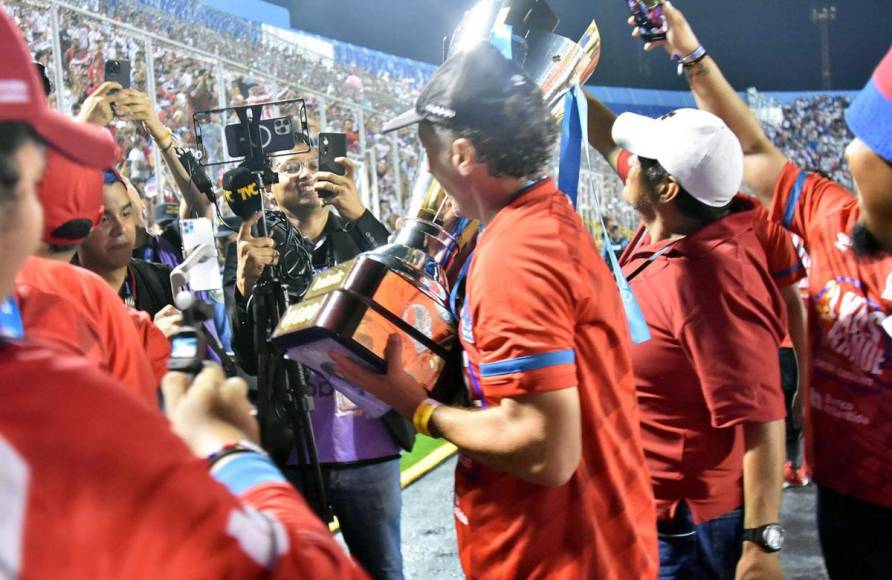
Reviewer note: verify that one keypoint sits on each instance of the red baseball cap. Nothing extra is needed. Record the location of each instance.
(22, 99)
(71, 196)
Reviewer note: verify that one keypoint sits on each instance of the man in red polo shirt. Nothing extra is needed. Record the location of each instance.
(551, 480)
(849, 241)
(708, 381)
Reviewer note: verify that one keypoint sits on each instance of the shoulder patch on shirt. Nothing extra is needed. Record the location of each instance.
(261, 536)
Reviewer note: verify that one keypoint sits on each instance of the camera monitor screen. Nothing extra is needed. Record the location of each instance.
(184, 347)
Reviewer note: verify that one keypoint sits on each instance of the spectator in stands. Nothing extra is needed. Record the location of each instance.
(130, 487)
(544, 488)
(711, 405)
(849, 240)
(360, 454)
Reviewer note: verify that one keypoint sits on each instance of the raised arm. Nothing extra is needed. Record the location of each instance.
(763, 161)
(600, 125)
(133, 105)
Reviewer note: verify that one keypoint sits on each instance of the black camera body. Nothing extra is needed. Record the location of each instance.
(189, 346)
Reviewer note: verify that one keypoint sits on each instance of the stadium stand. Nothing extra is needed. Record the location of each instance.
(196, 57)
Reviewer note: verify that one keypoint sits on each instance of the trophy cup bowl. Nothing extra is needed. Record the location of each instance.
(404, 286)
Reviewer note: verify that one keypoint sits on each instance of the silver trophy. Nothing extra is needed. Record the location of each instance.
(404, 287)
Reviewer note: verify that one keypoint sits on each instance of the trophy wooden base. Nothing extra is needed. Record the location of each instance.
(354, 308)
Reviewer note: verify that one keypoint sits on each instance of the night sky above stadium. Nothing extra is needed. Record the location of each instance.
(770, 44)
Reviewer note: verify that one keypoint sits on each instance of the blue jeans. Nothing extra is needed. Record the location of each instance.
(367, 502)
(855, 536)
(708, 551)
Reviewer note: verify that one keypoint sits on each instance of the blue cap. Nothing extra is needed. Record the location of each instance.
(870, 114)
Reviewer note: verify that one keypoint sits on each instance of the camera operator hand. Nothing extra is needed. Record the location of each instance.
(340, 190)
(169, 320)
(254, 254)
(134, 105)
(99, 107)
(211, 412)
(680, 38)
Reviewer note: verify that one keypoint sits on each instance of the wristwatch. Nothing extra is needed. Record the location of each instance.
(769, 537)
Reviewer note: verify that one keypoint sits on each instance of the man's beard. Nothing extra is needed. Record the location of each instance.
(865, 244)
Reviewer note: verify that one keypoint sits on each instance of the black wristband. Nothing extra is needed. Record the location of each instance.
(232, 449)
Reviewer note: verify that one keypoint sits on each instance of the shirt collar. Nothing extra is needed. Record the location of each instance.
(704, 240)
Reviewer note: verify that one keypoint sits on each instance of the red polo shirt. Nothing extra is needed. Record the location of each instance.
(716, 318)
(850, 326)
(542, 313)
(77, 309)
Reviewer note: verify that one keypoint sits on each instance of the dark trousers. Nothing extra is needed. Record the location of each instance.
(789, 384)
(708, 551)
(367, 501)
(856, 537)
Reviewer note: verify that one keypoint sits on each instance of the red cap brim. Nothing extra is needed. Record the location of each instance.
(87, 144)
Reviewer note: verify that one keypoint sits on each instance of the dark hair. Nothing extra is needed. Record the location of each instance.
(13, 134)
(520, 143)
(687, 204)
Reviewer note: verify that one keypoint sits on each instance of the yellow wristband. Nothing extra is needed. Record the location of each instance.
(422, 416)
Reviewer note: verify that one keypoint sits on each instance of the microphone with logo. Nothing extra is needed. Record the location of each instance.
(242, 194)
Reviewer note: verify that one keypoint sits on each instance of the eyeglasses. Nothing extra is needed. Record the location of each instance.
(293, 167)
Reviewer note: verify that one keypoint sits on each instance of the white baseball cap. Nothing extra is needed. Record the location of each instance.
(694, 146)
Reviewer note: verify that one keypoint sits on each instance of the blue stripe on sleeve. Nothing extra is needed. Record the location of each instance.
(246, 470)
(793, 199)
(527, 363)
(788, 271)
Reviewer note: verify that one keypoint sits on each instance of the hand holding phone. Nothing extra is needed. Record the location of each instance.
(649, 19)
(678, 37)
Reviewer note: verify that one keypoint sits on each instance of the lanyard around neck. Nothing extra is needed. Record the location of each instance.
(651, 260)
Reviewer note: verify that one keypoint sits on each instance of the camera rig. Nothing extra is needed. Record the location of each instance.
(283, 396)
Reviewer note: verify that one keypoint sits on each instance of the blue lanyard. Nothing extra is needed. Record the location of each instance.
(573, 147)
(11, 326)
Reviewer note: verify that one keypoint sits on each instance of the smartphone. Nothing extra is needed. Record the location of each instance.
(332, 146)
(276, 135)
(118, 71)
(203, 275)
(649, 19)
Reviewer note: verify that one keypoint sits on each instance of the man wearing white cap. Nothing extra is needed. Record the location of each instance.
(708, 386)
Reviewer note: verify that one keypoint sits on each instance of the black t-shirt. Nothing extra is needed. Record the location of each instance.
(147, 286)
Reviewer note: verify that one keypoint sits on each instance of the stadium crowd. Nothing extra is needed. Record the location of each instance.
(811, 133)
(614, 419)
